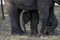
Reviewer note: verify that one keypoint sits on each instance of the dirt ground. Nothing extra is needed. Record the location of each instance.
(5, 30)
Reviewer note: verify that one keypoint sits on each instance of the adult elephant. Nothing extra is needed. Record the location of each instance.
(16, 7)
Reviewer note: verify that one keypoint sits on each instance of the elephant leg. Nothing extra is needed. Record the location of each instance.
(31, 24)
(26, 19)
(14, 19)
(43, 17)
(51, 11)
(52, 20)
(34, 21)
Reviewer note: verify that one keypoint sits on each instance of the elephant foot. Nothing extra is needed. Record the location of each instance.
(31, 34)
(49, 33)
(35, 34)
(17, 32)
(39, 34)
(25, 32)
(22, 31)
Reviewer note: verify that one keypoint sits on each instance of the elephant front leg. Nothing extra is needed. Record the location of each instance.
(15, 24)
(14, 20)
(43, 18)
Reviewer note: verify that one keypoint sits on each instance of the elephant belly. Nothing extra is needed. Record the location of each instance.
(25, 4)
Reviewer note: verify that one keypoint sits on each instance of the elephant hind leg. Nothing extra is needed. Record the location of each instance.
(26, 19)
(34, 21)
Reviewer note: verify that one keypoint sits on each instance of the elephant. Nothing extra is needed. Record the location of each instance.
(16, 7)
(52, 23)
(33, 16)
(52, 20)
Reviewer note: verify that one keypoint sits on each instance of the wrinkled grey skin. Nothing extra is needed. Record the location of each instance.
(16, 7)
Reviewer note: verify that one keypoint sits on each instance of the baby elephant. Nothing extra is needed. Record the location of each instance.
(33, 16)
